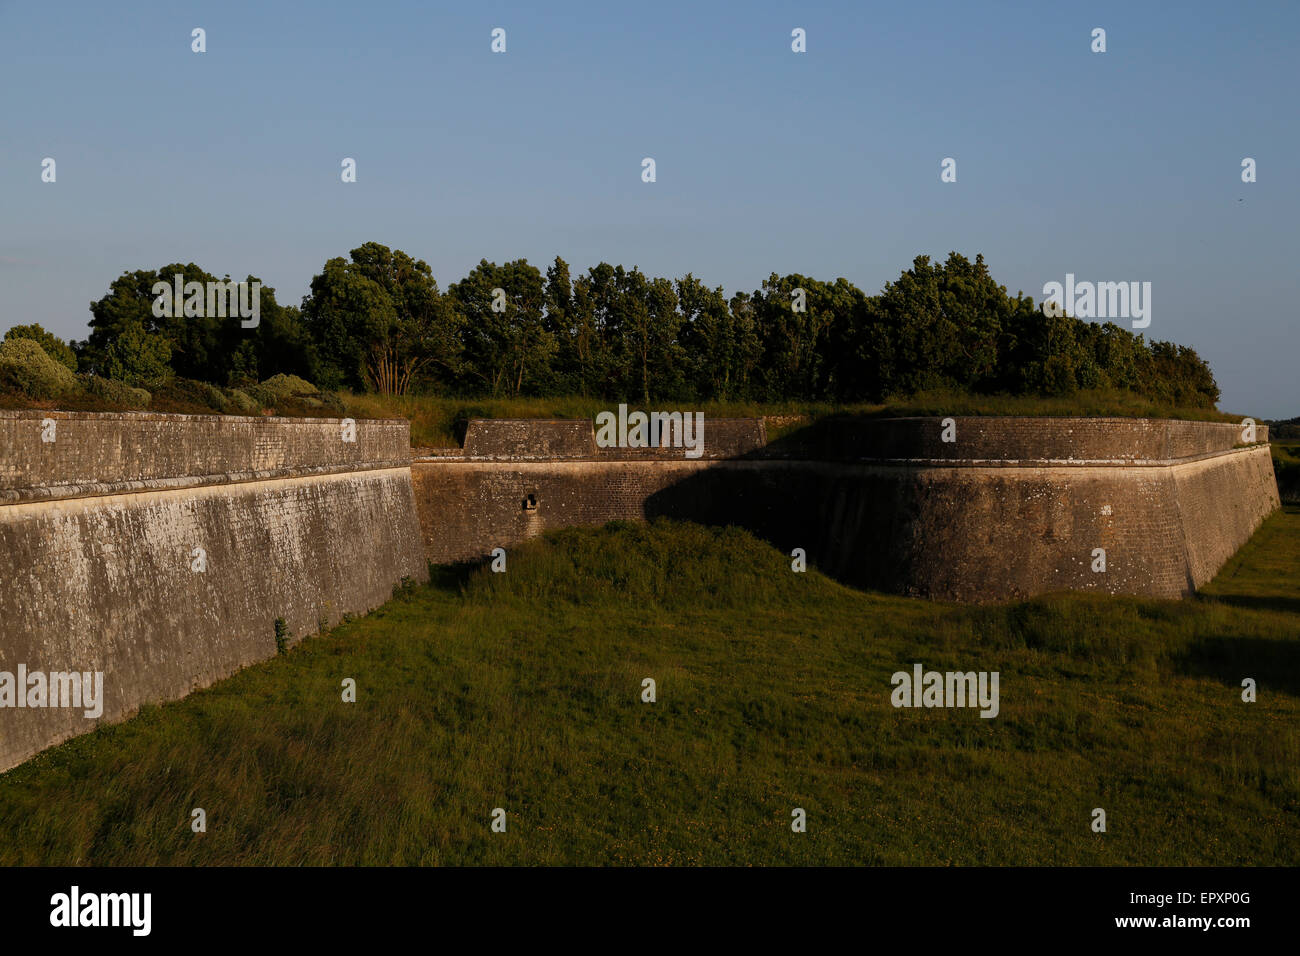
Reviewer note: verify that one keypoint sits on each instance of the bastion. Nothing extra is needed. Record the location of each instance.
(961, 509)
(161, 550)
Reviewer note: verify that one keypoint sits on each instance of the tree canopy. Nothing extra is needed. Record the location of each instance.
(378, 321)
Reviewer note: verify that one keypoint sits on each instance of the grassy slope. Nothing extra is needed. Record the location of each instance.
(522, 691)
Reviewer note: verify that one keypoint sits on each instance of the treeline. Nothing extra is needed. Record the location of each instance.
(378, 321)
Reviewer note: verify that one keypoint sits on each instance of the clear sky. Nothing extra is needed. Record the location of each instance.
(1117, 166)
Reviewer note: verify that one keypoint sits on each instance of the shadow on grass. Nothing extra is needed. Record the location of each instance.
(452, 578)
(1273, 664)
(1262, 602)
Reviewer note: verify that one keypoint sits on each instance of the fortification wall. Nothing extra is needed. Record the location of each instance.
(1009, 439)
(531, 439)
(71, 454)
(1221, 501)
(100, 580)
(101, 516)
(897, 510)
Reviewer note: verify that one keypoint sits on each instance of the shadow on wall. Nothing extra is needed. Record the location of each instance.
(854, 527)
(876, 505)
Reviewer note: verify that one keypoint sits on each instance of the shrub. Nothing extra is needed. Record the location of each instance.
(282, 635)
(139, 358)
(54, 346)
(28, 368)
(331, 404)
(291, 395)
(262, 396)
(116, 392)
(191, 396)
(241, 402)
(289, 385)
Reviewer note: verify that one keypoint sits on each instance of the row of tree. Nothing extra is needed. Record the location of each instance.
(379, 321)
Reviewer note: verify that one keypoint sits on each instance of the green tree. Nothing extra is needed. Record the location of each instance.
(138, 357)
(424, 335)
(794, 316)
(940, 326)
(346, 314)
(720, 344)
(204, 345)
(508, 347)
(54, 346)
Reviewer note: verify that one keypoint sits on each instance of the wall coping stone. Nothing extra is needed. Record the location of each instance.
(102, 489)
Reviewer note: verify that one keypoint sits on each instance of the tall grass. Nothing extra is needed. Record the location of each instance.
(523, 691)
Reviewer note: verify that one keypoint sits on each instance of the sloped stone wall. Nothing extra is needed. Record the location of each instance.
(894, 507)
(92, 579)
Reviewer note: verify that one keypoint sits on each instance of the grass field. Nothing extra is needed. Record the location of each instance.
(522, 691)
(433, 418)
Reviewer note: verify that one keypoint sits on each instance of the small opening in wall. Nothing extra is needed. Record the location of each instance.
(530, 503)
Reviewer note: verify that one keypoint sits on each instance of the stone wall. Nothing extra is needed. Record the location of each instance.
(99, 527)
(99, 580)
(531, 439)
(896, 509)
(1009, 439)
(96, 453)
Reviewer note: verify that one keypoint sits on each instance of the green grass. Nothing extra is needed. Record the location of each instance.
(433, 417)
(522, 690)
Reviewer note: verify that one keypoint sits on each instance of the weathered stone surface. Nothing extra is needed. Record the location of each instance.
(106, 582)
(95, 448)
(1010, 439)
(99, 527)
(895, 509)
(534, 439)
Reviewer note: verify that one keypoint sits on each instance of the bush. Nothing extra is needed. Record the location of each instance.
(116, 392)
(212, 396)
(139, 358)
(290, 395)
(28, 368)
(289, 386)
(282, 636)
(187, 395)
(54, 346)
(242, 403)
(262, 396)
(331, 404)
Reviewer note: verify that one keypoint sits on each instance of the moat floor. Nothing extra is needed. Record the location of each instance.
(524, 691)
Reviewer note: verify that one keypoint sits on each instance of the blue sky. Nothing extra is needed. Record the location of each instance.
(1116, 166)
